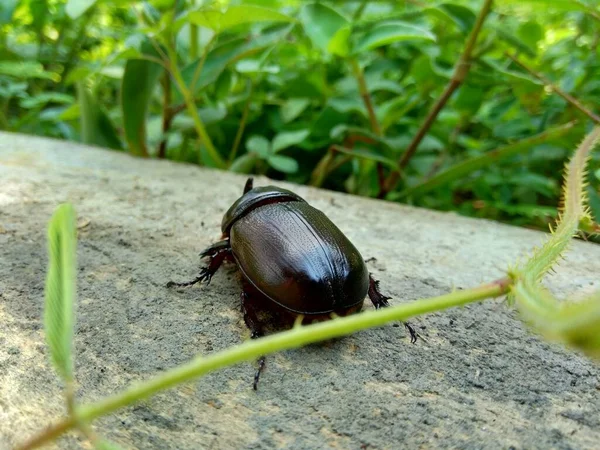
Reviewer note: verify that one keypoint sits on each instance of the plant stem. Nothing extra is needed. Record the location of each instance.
(241, 128)
(568, 97)
(251, 349)
(461, 69)
(167, 116)
(191, 107)
(366, 96)
(200, 66)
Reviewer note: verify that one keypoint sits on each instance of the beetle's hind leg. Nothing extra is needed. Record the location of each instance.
(256, 330)
(217, 253)
(381, 301)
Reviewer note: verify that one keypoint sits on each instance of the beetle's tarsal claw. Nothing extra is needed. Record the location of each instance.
(413, 334)
(377, 298)
(261, 366)
(171, 284)
(206, 275)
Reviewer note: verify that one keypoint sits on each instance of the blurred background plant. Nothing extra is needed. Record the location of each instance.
(334, 94)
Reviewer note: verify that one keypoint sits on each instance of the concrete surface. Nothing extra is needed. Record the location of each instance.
(480, 381)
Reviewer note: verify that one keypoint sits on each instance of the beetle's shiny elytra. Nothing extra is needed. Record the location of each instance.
(290, 255)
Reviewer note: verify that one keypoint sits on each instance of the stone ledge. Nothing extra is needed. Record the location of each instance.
(480, 381)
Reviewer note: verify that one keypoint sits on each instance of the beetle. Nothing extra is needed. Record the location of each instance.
(291, 258)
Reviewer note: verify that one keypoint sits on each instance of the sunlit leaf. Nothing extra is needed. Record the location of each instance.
(321, 23)
(283, 163)
(26, 69)
(45, 98)
(60, 289)
(236, 15)
(339, 44)
(244, 163)
(292, 108)
(391, 32)
(288, 138)
(76, 8)
(260, 145)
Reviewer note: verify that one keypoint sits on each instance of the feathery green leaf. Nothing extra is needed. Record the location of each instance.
(61, 289)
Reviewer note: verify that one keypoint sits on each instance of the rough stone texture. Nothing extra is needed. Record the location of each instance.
(480, 381)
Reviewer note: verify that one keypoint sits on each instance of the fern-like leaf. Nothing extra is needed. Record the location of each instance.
(61, 289)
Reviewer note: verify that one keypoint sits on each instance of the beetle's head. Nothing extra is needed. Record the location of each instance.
(254, 197)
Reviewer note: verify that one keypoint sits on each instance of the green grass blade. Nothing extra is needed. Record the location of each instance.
(61, 289)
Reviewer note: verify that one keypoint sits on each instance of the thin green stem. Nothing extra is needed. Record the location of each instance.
(191, 107)
(366, 96)
(200, 65)
(242, 127)
(251, 349)
(549, 84)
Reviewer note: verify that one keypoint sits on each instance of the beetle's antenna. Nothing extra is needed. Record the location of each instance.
(249, 184)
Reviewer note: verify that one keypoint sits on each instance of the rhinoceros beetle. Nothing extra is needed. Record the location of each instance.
(291, 257)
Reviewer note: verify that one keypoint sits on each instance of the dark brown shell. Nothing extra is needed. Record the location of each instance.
(297, 257)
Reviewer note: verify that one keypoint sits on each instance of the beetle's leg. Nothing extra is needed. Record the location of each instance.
(381, 301)
(216, 248)
(249, 184)
(217, 253)
(256, 330)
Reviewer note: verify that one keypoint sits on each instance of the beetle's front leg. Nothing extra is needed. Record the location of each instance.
(217, 253)
(256, 330)
(381, 301)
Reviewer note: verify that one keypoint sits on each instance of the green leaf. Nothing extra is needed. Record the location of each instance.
(321, 23)
(469, 99)
(389, 32)
(220, 57)
(139, 82)
(96, 127)
(27, 69)
(76, 8)
(292, 108)
(255, 66)
(288, 138)
(530, 34)
(339, 44)
(61, 289)
(282, 163)
(495, 66)
(259, 145)
(7, 8)
(45, 98)
(103, 444)
(244, 163)
(235, 15)
(462, 16)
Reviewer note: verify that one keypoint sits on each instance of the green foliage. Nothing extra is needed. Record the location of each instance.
(61, 289)
(195, 81)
